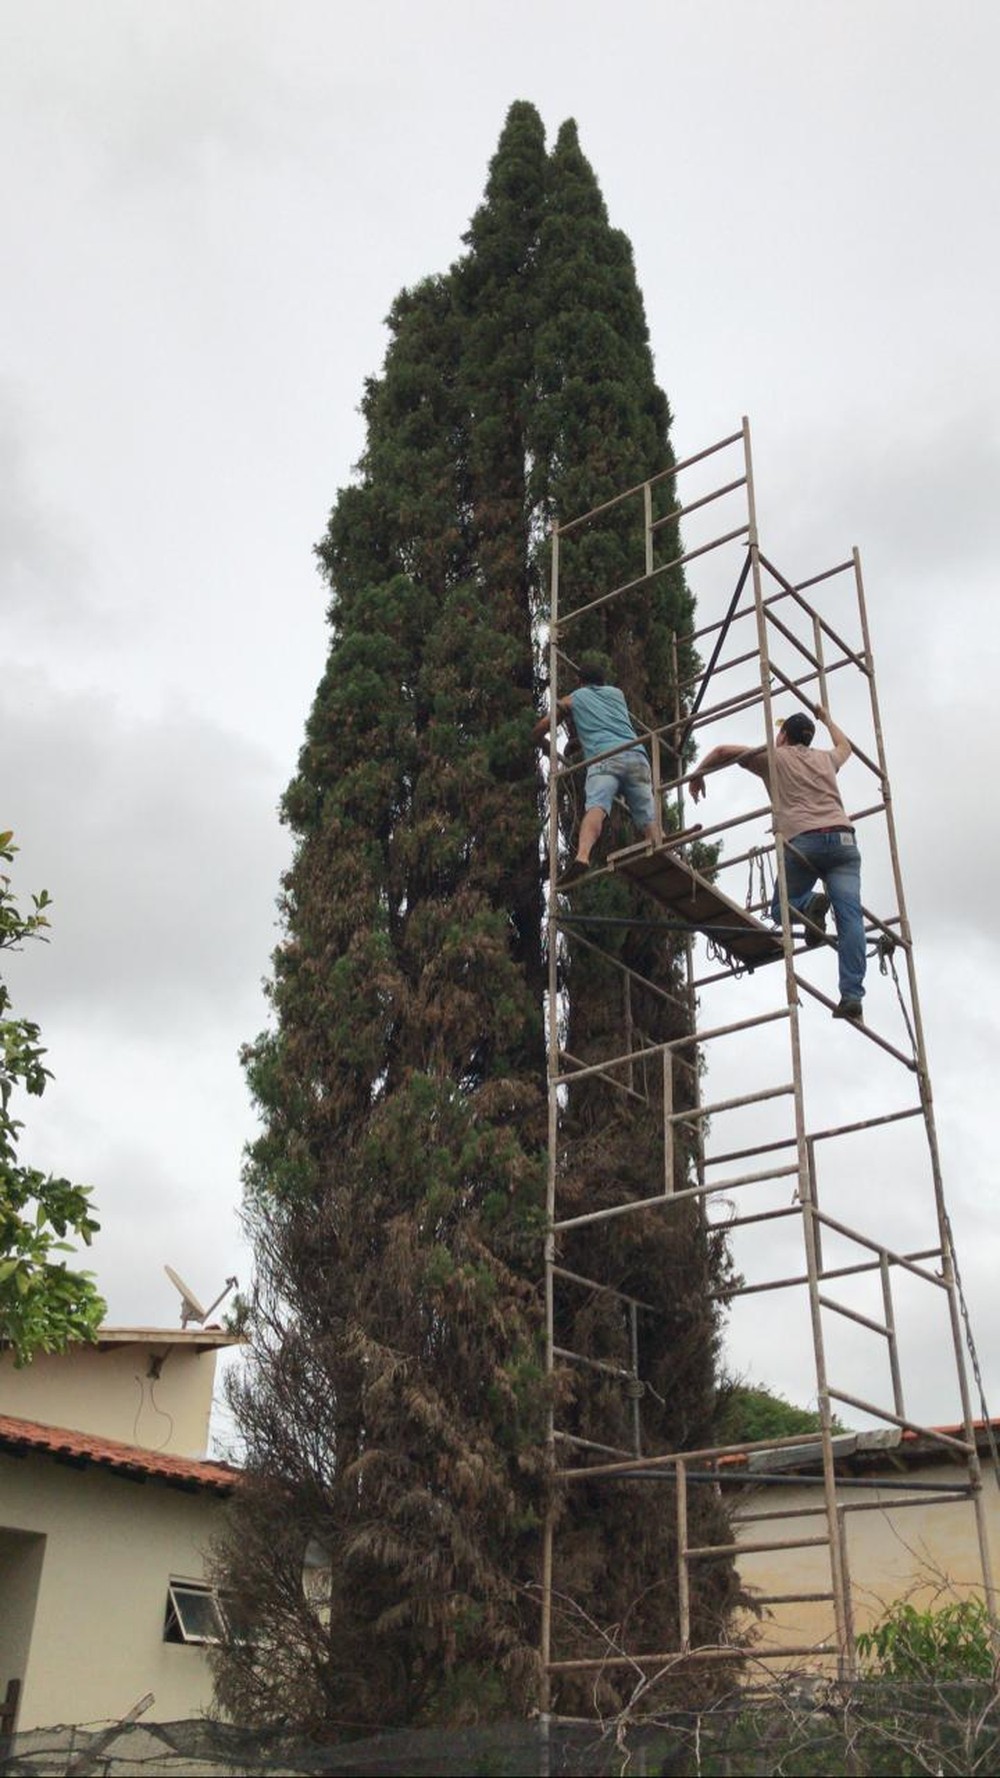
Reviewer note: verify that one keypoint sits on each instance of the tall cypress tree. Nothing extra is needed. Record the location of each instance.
(393, 1405)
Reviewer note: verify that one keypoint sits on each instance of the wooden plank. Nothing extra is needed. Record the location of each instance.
(677, 886)
(645, 849)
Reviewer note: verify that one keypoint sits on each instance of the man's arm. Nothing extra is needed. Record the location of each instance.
(540, 732)
(725, 755)
(841, 745)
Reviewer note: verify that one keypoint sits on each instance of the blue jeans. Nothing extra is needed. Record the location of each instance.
(833, 858)
(627, 775)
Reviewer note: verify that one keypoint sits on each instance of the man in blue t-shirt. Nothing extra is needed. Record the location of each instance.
(599, 715)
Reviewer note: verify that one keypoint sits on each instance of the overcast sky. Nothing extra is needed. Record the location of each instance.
(208, 207)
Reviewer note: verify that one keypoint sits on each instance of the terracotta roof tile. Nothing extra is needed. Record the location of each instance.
(85, 1448)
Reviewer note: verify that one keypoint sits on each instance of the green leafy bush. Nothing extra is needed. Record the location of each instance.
(954, 1642)
(43, 1305)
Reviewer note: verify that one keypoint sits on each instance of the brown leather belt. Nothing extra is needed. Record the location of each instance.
(828, 830)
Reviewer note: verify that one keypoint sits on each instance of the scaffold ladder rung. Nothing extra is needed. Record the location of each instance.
(710, 1551)
(595, 1364)
(791, 1598)
(878, 1327)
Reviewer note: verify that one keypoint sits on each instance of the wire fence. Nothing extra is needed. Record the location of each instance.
(802, 1725)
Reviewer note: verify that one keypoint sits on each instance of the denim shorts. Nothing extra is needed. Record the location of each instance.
(627, 775)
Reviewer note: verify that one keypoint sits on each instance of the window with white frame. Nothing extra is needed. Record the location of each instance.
(194, 1613)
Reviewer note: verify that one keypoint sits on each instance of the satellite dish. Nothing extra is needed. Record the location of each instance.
(191, 1309)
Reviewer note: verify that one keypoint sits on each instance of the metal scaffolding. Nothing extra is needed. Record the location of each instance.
(799, 1189)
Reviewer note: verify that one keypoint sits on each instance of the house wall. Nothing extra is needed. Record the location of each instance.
(927, 1553)
(109, 1391)
(111, 1546)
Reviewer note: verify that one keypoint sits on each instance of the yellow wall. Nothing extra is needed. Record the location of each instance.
(109, 1391)
(928, 1553)
(111, 1545)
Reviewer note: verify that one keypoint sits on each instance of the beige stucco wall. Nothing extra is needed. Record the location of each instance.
(110, 1391)
(928, 1553)
(111, 1545)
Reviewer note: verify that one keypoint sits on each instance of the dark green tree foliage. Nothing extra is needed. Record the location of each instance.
(393, 1407)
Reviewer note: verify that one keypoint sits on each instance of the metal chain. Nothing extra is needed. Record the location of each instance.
(757, 859)
(885, 948)
(717, 953)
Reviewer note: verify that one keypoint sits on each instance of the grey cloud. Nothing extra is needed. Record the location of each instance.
(917, 490)
(44, 566)
(949, 843)
(160, 844)
(153, 98)
(932, 490)
(156, 1133)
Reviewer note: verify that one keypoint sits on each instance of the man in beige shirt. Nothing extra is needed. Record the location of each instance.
(819, 840)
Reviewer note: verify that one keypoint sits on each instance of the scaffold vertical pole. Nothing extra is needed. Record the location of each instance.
(930, 1126)
(552, 1011)
(847, 1660)
(689, 970)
